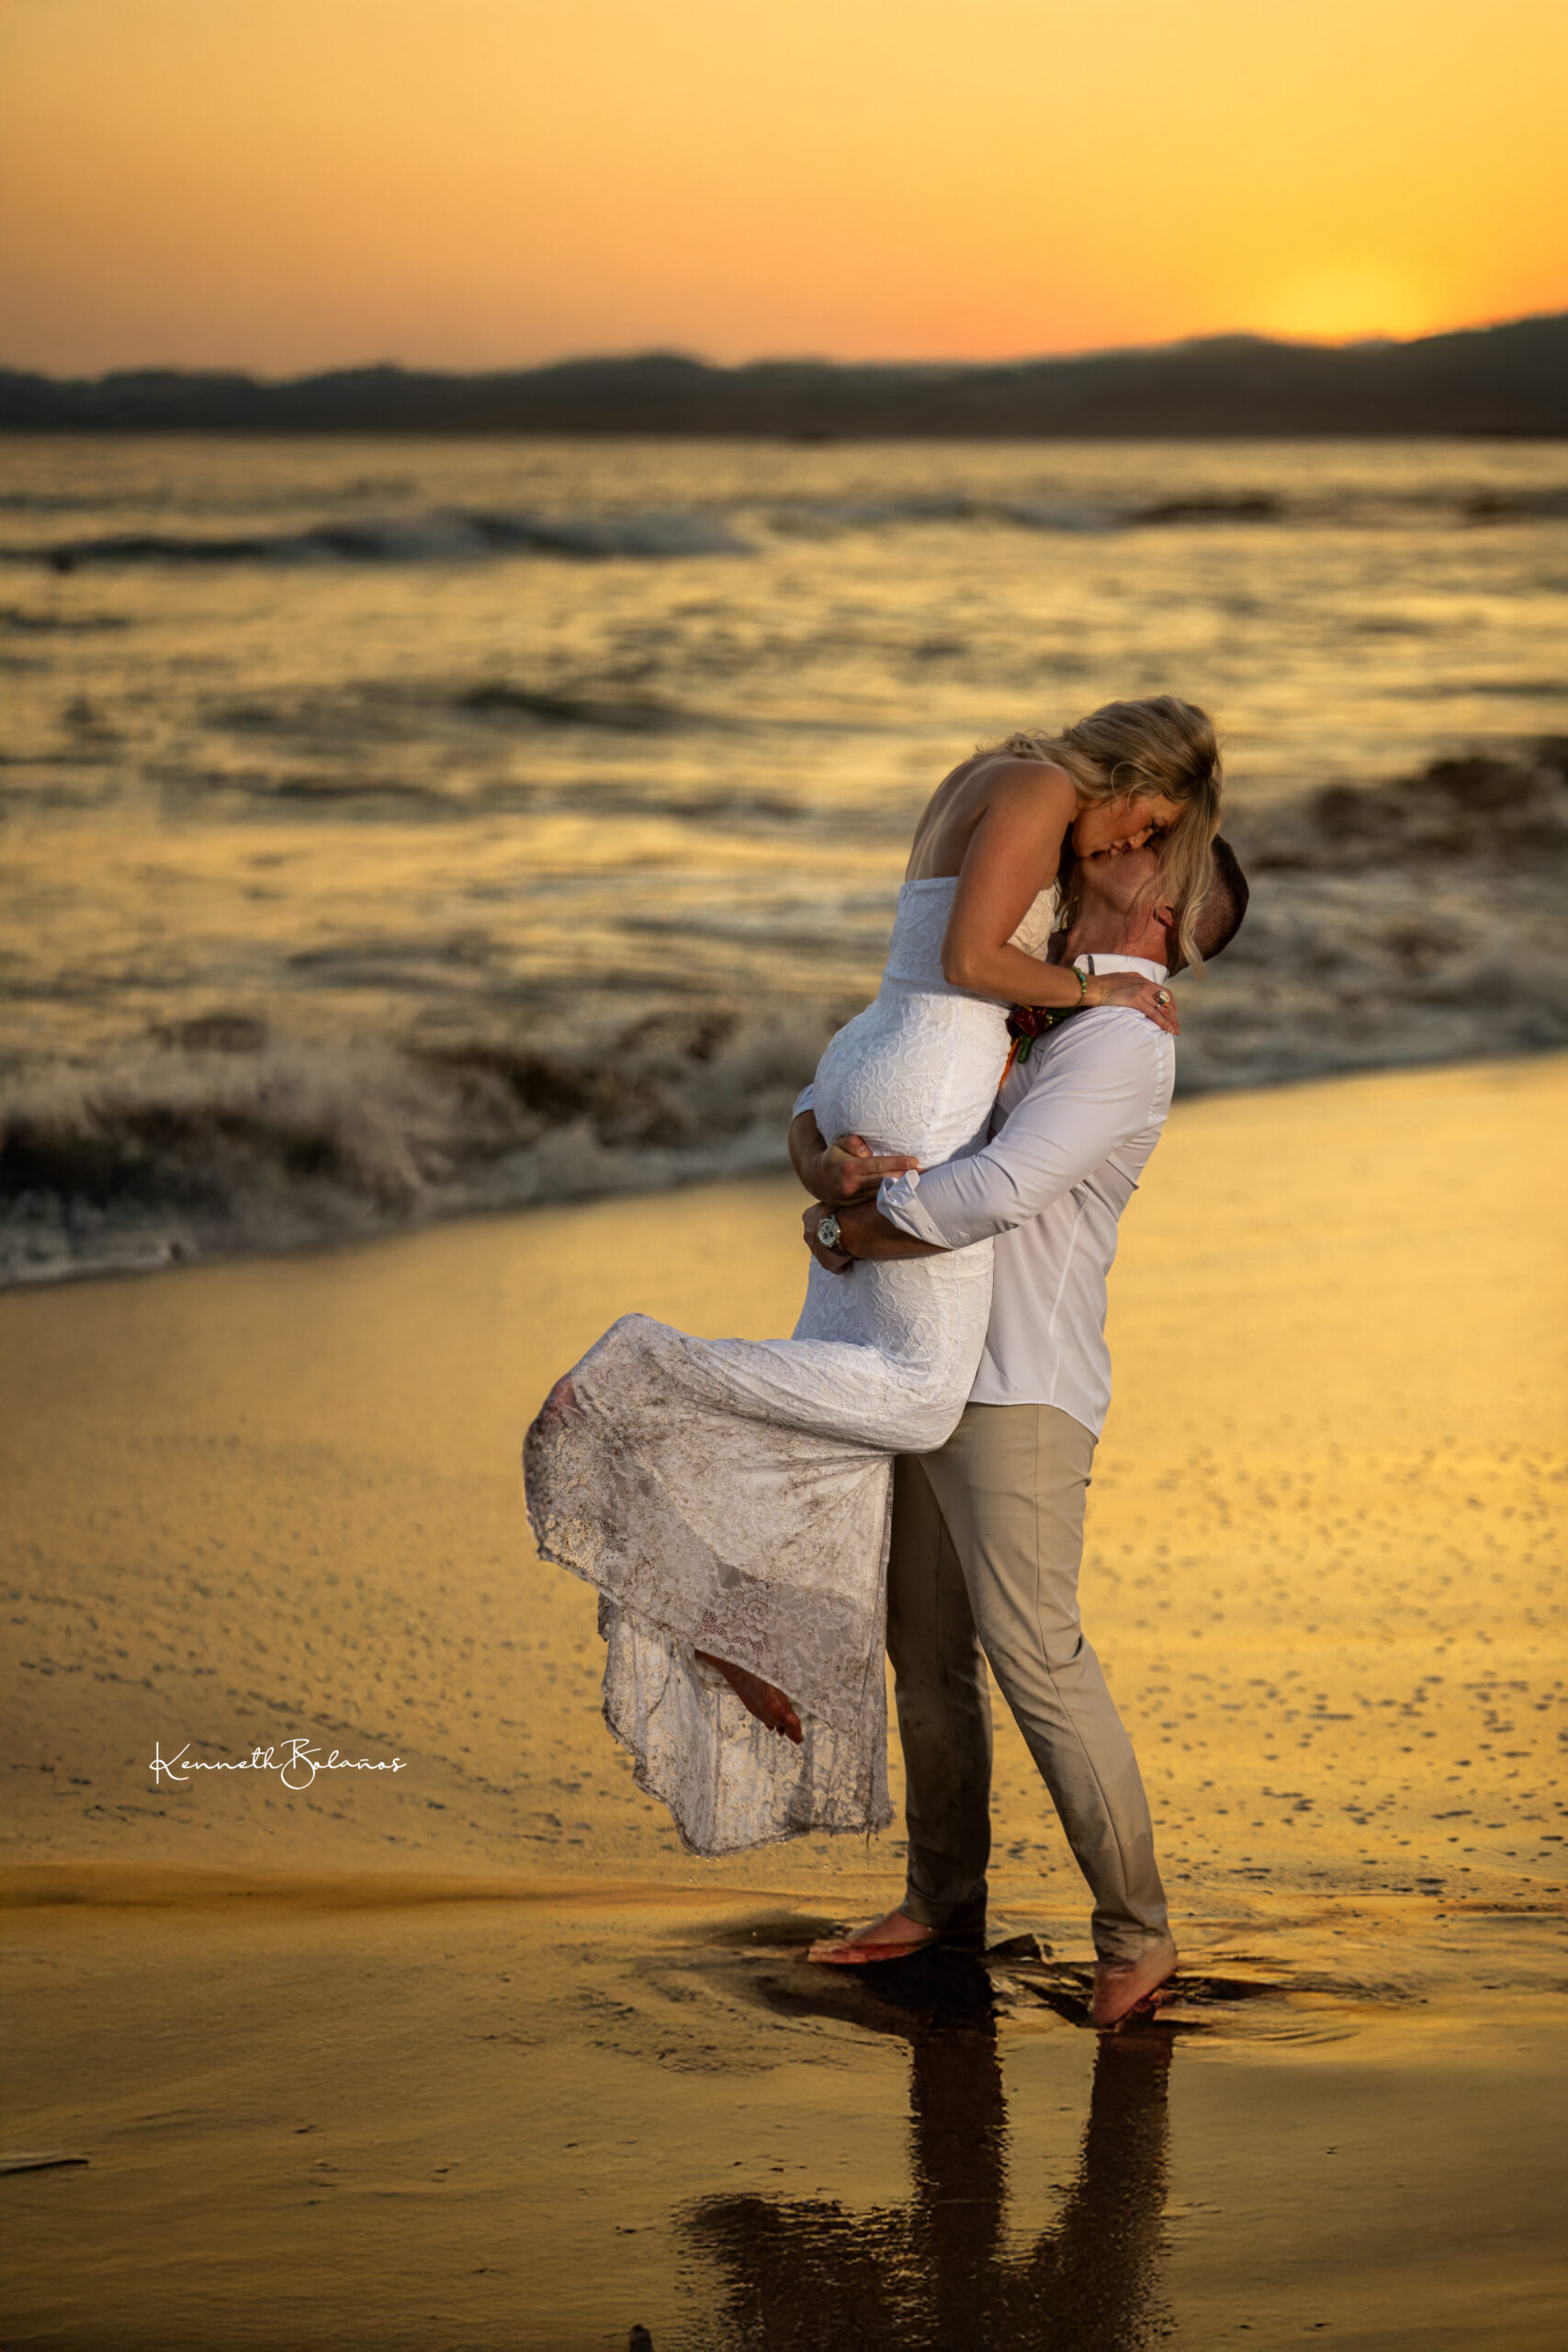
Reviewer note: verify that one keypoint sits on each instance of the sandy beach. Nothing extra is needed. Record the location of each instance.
(470, 2053)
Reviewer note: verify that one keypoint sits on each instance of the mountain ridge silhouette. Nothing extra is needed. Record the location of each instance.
(1506, 380)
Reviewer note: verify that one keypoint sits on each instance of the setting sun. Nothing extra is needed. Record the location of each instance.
(1339, 302)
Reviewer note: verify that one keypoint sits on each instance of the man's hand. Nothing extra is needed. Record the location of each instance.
(831, 1259)
(868, 1233)
(845, 1170)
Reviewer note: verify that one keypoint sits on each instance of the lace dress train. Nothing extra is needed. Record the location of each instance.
(733, 1495)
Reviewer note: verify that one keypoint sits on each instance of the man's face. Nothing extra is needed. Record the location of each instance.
(1121, 880)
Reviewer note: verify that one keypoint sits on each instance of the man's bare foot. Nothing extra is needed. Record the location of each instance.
(893, 1937)
(763, 1700)
(1122, 1986)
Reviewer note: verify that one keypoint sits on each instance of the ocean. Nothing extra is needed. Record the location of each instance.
(397, 829)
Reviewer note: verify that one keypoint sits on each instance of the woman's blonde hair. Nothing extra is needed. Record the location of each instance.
(1157, 749)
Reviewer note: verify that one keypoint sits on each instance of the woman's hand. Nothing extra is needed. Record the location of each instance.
(1151, 998)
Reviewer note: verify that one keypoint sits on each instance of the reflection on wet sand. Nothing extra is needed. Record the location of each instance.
(807, 2276)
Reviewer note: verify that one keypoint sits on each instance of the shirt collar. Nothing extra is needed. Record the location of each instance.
(1095, 965)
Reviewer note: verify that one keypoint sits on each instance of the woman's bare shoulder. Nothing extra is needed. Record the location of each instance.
(986, 774)
(1015, 773)
(1000, 782)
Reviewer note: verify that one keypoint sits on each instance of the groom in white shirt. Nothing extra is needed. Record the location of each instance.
(988, 1532)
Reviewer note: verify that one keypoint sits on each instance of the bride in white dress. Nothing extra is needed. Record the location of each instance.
(729, 1498)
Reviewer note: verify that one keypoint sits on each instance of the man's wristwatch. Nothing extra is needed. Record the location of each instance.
(829, 1236)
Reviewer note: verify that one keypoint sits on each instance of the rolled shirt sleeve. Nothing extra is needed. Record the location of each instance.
(1096, 1090)
(805, 1101)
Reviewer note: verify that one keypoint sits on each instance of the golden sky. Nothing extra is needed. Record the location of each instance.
(282, 184)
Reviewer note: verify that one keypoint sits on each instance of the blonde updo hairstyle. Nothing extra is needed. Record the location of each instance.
(1159, 747)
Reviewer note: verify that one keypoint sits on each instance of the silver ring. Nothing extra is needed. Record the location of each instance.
(1162, 996)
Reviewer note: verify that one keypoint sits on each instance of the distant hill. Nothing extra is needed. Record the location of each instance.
(1509, 380)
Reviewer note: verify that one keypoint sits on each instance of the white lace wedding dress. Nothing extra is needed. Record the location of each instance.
(732, 1494)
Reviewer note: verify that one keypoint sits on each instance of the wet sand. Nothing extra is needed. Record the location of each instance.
(472, 2054)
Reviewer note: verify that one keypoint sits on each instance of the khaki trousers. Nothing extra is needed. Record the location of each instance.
(987, 1535)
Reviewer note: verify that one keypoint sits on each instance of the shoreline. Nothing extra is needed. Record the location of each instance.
(89, 1889)
(665, 1185)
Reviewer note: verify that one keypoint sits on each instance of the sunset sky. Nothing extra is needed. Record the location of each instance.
(283, 185)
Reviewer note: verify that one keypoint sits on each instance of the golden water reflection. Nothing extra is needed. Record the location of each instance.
(940, 2271)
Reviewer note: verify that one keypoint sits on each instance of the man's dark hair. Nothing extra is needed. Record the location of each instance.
(1219, 918)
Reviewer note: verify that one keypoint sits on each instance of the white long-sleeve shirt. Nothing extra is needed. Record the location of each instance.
(1072, 1131)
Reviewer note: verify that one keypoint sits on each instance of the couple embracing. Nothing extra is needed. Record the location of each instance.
(907, 1471)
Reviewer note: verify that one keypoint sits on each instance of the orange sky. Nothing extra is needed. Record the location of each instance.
(282, 184)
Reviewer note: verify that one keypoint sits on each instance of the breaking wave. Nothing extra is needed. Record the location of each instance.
(218, 1137)
(449, 534)
(435, 538)
(1415, 921)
